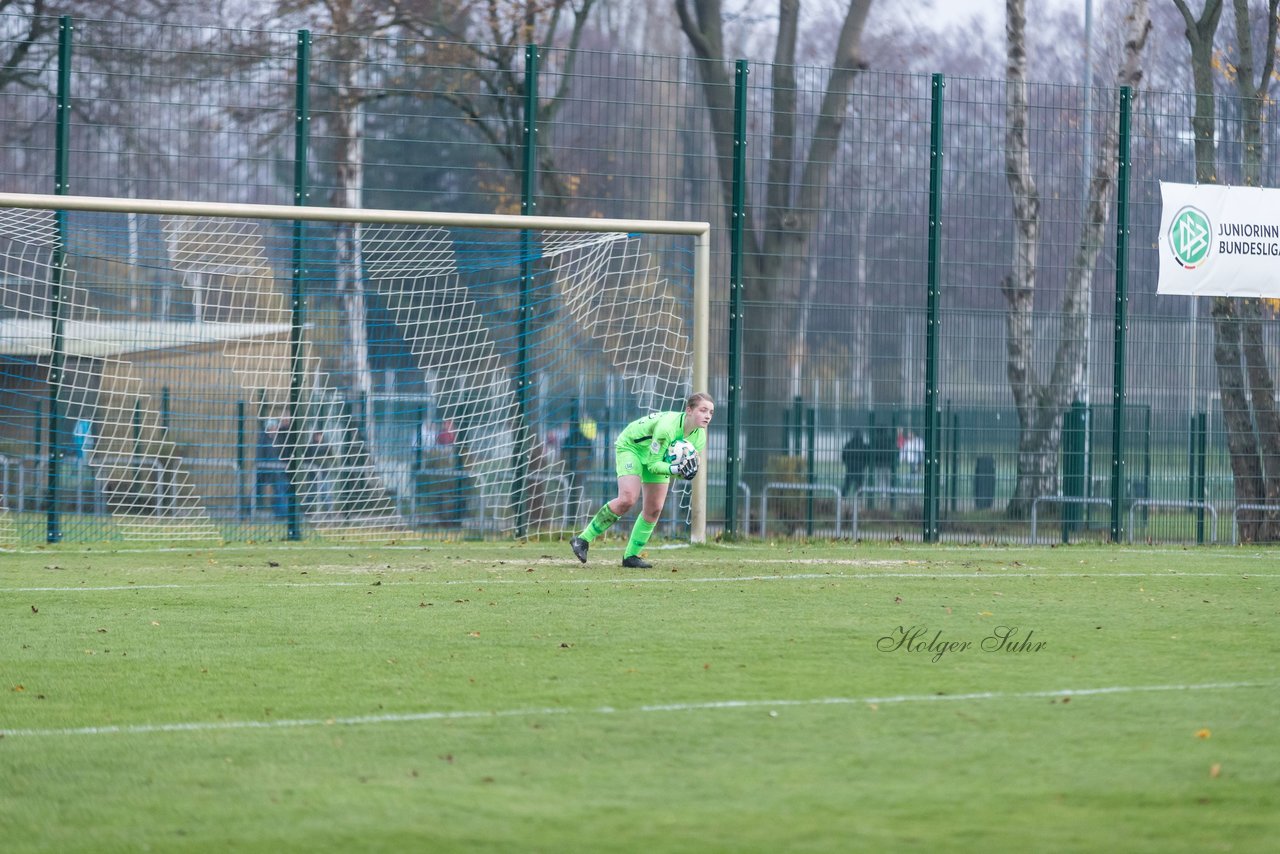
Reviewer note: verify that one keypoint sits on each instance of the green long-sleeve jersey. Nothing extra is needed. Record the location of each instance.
(649, 437)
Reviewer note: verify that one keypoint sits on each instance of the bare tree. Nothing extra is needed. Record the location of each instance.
(1246, 387)
(489, 39)
(350, 25)
(28, 38)
(1262, 392)
(23, 36)
(1040, 405)
(780, 230)
(351, 62)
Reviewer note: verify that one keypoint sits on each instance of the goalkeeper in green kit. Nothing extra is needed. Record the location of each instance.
(646, 461)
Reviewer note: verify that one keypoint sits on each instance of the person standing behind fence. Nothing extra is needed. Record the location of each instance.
(642, 472)
(912, 453)
(446, 437)
(271, 475)
(317, 468)
(575, 450)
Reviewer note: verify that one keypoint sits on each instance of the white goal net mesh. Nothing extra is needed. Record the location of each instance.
(224, 377)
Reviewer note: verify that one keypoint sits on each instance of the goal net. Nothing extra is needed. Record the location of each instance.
(180, 371)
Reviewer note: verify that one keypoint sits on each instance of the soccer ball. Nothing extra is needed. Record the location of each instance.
(680, 450)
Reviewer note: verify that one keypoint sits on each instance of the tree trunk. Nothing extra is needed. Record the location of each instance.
(1262, 397)
(778, 236)
(1241, 443)
(1036, 473)
(1245, 385)
(1265, 423)
(1041, 407)
(860, 326)
(349, 166)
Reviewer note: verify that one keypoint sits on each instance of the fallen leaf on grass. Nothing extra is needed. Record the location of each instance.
(1203, 733)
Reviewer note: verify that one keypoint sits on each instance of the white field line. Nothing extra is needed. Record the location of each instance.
(910, 553)
(665, 579)
(710, 705)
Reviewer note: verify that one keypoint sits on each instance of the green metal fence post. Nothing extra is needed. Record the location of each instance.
(1121, 318)
(932, 414)
(737, 224)
(1075, 424)
(1202, 471)
(297, 320)
(811, 433)
(137, 431)
(242, 458)
(795, 437)
(57, 342)
(955, 461)
(1191, 459)
(528, 207)
(1146, 462)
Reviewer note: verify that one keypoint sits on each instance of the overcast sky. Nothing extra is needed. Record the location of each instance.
(921, 18)
(947, 13)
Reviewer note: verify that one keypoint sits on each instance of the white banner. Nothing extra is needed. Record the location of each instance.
(1219, 241)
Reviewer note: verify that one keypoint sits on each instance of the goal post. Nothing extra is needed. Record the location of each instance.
(310, 404)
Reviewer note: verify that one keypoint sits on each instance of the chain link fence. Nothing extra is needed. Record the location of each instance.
(830, 421)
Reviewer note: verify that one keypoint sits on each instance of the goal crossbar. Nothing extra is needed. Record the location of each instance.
(171, 207)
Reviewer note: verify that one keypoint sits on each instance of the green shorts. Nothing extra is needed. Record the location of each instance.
(631, 461)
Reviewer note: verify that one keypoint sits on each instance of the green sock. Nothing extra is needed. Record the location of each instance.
(599, 523)
(640, 534)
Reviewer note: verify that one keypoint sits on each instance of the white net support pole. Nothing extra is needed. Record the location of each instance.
(701, 368)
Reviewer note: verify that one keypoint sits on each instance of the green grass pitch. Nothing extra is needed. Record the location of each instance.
(765, 697)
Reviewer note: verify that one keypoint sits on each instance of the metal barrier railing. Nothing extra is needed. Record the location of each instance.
(746, 501)
(20, 465)
(1235, 518)
(1184, 505)
(671, 510)
(796, 487)
(1059, 499)
(876, 490)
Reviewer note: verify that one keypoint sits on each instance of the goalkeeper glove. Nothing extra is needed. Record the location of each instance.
(686, 468)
